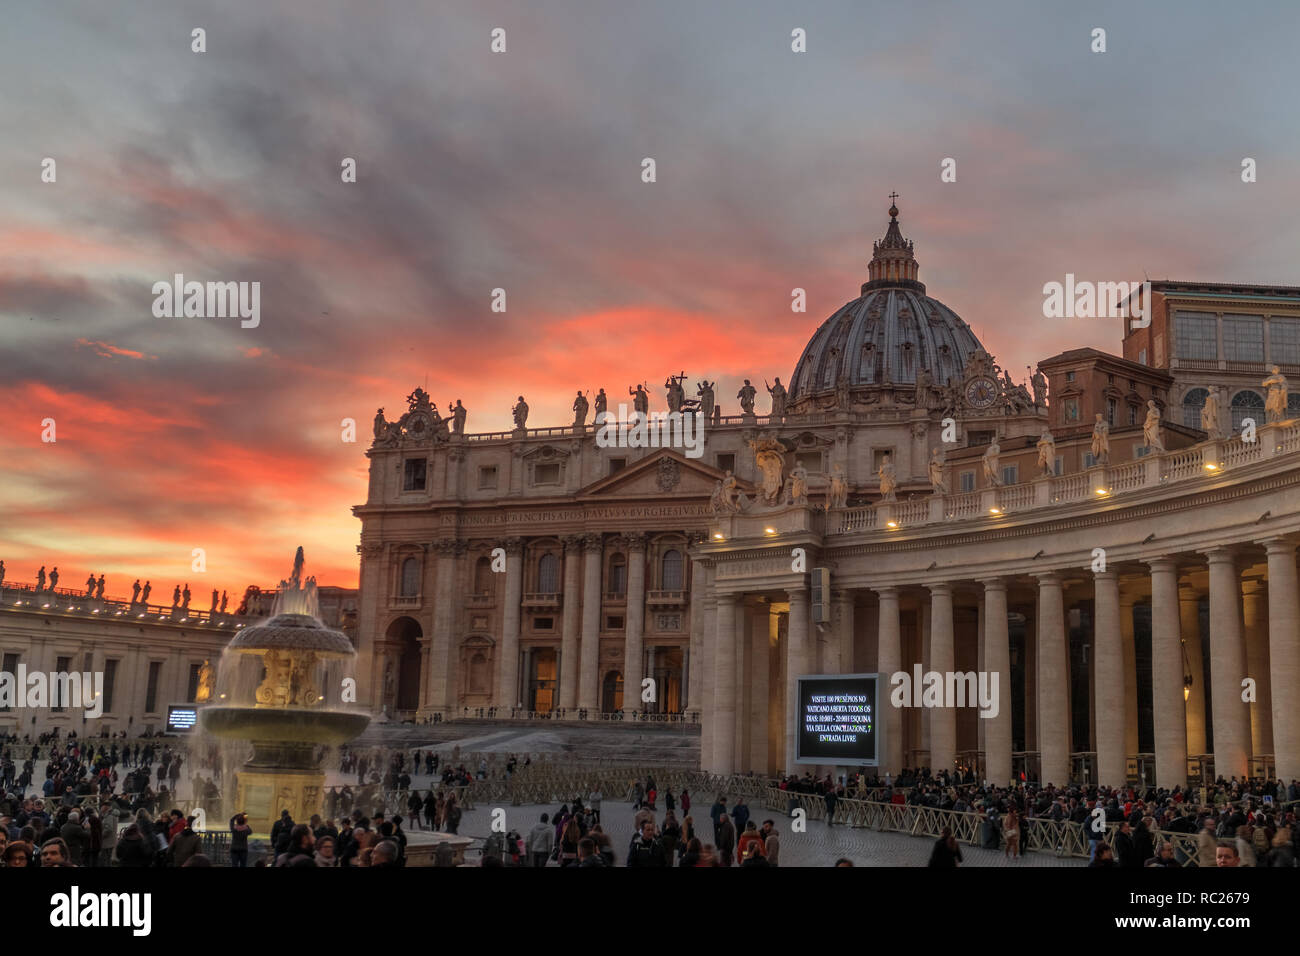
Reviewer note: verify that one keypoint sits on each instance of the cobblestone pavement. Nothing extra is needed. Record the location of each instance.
(819, 846)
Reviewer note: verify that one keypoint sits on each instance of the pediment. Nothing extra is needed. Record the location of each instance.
(664, 473)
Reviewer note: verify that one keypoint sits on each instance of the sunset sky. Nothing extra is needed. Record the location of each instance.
(522, 171)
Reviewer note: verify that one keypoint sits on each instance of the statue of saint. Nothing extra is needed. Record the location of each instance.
(99, 588)
(770, 456)
(839, 497)
(1275, 403)
(888, 479)
(40, 579)
(923, 382)
(746, 396)
(176, 597)
(185, 603)
(676, 394)
(729, 491)
(1040, 388)
(215, 598)
(717, 503)
(1151, 428)
(458, 416)
(992, 473)
(135, 592)
(224, 601)
(602, 404)
(777, 392)
(1210, 413)
(705, 391)
(798, 485)
(1101, 441)
(204, 692)
(935, 469)
(90, 585)
(1046, 454)
(54, 577)
(520, 412)
(640, 400)
(144, 595)
(580, 406)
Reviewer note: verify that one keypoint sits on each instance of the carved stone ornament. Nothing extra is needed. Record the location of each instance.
(670, 474)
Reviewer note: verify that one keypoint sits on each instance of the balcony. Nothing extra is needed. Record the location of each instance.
(481, 600)
(667, 598)
(399, 600)
(542, 599)
(616, 598)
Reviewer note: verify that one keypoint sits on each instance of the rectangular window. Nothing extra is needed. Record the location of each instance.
(1110, 411)
(1141, 451)
(1142, 356)
(1088, 459)
(487, 478)
(727, 463)
(1010, 474)
(1058, 465)
(10, 667)
(110, 680)
(878, 458)
(192, 691)
(810, 461)
(151, 688)
(546, 474)
(1069, 376)
(979, 438)
(967, 479)
(62, 665)
(1284, 341)
(1195, 336)
(616, 465)
(614, 622)
(1132, 415)
(543, 624)
(413, 470)
(1243, 338)
(1071, 409)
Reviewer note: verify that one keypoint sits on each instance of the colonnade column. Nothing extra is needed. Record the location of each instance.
(1168, 712)
(438, 659)
(508, 681)
(1053, 683)
(589, 668)
(997, 660)
(796, 663)
(568, 675)
(1129, 640)
(1254, 612)
(724, 685)
(1112, 680)
(1227, 668)
(943, 722)
(1284, 655)
(889, 661)
(634, 623)
(1189, 627)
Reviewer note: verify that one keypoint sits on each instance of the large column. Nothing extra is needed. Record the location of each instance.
(1129, 641)
(1189, 626)
(508, 685)
(745, 620)
(1254, 612)
(1112, 683)
(444, 622)
(1053, 683)
(634, 623)
(724, 685)
(796, 663)
(943, 721)
(704, 602)
(1227, 668)
(1284, 656)
(568, 675)
(589, 668)
(889, 661)
(997, 660)
(840, 639)
(1168, 714)
(759, 681)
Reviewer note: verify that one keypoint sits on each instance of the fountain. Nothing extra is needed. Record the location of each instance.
(280, 688)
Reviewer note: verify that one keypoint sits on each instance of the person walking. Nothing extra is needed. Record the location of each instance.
(1011, 830)
(946, 853)
(541, 840)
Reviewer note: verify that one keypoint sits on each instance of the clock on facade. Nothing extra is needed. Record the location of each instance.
(981, 392)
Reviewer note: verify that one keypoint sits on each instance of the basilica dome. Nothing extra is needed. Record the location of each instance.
(889, 333)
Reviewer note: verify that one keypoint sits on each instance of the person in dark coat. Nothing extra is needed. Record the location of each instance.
(1144, 845)
(132, 848)
(831, 799)
(726, 840)
(1125, 850)
(76, 837)
(946, 853)
(646, 850)
(279, 832)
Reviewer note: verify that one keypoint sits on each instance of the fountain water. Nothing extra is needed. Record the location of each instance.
(280, 688)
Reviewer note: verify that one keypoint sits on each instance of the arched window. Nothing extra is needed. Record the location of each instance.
(483, 576)
(618, 574)
(410, 578)
(548, 574)
(1193, 404)
(672, 571)
(1293, 405)
(1247, 404)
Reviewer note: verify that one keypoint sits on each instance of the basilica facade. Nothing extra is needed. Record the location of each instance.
(1126, 568)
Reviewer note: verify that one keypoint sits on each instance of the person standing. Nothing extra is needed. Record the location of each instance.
(541, 840)
(771, 843)
(593, 801)
(239, 831)
(946, 853)
(726, 840)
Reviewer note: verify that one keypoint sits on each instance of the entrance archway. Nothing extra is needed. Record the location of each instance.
(611, 697)
(404, 687)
